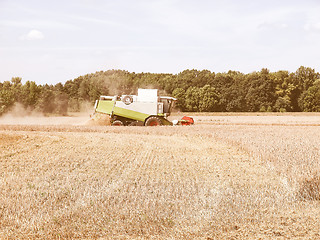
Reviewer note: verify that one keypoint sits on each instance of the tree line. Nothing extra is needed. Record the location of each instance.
(196, 91)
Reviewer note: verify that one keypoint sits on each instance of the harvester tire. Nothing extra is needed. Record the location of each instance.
(153, 121)
(117, 123)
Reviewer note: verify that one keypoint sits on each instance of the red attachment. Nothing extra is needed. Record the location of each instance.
(186, 121)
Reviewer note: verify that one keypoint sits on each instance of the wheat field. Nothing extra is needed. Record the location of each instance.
(227, 177)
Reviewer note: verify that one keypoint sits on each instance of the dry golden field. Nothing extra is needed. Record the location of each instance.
(236, 176)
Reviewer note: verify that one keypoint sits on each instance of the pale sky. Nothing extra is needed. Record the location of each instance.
(55, 41)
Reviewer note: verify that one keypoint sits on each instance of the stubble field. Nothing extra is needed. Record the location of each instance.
(237, 176)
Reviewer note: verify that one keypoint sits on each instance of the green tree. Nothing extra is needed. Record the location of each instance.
(203, 99)
(180, 95)
(302, 79)
(16, 88)
(30, 94)
(209, 99)
(261, 92)
(231, 88)
(310, 99)
(7, 97)
(283, 91)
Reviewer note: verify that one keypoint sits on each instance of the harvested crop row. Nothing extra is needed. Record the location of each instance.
(89, 185)
(204, 181)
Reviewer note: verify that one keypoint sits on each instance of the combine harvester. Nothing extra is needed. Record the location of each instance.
(144, 109)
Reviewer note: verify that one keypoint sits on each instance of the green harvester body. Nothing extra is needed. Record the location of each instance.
(146, 108)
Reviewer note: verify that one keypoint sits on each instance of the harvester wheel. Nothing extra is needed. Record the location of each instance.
(117, 123)
(153, 121)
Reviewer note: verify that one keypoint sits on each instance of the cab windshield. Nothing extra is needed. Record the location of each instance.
(167, 105)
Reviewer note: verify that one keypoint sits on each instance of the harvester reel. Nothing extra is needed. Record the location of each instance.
(153, 121)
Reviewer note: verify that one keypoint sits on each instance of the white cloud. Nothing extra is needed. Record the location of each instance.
(312, 26)
(33, 35)
(274, 26)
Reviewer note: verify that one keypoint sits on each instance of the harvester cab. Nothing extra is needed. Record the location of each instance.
(146, 108)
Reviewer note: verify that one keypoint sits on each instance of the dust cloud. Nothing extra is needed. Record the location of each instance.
(22, 116)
